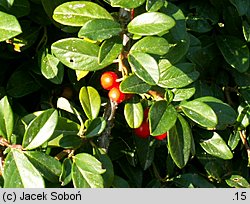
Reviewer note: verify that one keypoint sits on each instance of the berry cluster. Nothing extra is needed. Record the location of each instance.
(109, 82)
(143, 131)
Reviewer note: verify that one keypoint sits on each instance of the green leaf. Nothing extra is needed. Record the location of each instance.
(154, 5)
(126, 4)
(95, 127)
(65, 176)
(6, 118)
(145, 149)
(246, 30)
(133, 84)
(133, 112)
(162, 117)
(237, 181)
(9, 26)
(77, 54)
(234, 140)
(183, 94)
(20, 173)
(40, 129)
(51, 68)
(177, 76)
(103, 157)
(235, 52)
(213, 144)
(179, 142)
(18, 8)
(145, 67)
(21, 83)
(200, 113)
(225, 113)
(119, 182)
(86, 171)
(77, 13)
(109, 51)
(151, 23)
(192, 180)
(99, 29)
(48, 166)
(242, 6)
(151, 45)
(90, 101)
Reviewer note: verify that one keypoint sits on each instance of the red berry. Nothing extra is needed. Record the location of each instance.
(116, 95)
(108, 80)
(143, 131)
(161, 137)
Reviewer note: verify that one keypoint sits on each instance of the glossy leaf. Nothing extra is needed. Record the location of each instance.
(86, 171)
(235, 52)
(77, 13)
(154, 5)
(6, 118)
(237, 181)
(151, 23)
(99, 29)
(65, 176)
(40, 129)
(90, 101)
(151, 45)
(133, 112)
(241, 6)
(145, 67)
(95, 127)
(162, 117)
(177, 76)
(246, 30)
(225, 113)
(179, 142)
(216, 146)
(133, 84)
(52, 69)
(20, 173)
(48, 166)
(77, 54)
(126, 4)
(183, 94)
(9, 26)
(18, 8)
(119, 182)
(109, 51)
(200, 113)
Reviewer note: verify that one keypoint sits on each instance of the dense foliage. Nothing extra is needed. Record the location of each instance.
(174, 112)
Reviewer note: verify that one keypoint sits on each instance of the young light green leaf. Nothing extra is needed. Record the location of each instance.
(95, 127)
(154, 5)
(133, 112)
(151, 45)
(48, 166)
(235, 52)
(179, 142)
(77, 54)
(99, 29)
(9, 26)
(90, 101)
(6, 118)
(145, 67)
(126, 3)
(183, 94)
(214, 144)
(40, 129)
(77, 13)
(20, 173)
(200, 113)
(151, 23)
(86, 171)
(162, 117)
